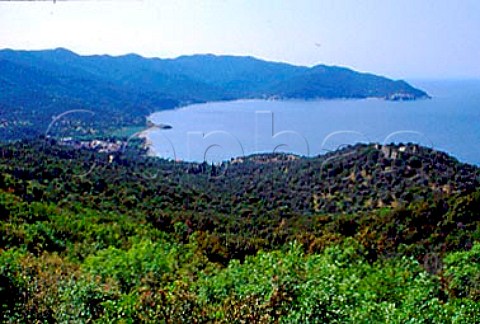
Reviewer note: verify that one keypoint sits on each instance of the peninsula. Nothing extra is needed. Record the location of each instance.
(122, 91)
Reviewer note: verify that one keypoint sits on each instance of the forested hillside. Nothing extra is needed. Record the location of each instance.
(368, 234)
(36, 86)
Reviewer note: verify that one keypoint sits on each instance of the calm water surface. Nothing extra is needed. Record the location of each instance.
(449, 122)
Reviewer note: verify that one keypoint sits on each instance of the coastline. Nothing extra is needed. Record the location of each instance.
(428, 110)
(148, 143)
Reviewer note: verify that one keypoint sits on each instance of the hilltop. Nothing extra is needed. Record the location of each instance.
(265, 190)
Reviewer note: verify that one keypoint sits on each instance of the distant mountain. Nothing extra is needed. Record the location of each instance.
(333, 82)
(122, 91)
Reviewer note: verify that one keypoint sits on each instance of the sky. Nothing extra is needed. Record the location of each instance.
(430, 39)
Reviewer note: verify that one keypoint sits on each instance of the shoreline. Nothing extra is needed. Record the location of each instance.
(446, 146)
(148, 143)
(321, 99)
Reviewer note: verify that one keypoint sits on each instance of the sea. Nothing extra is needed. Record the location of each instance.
(221, 131)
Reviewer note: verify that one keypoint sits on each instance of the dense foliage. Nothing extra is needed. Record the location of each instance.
(366, 234)
(35, 86)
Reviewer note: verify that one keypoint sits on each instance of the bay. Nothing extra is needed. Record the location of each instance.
(218, 131)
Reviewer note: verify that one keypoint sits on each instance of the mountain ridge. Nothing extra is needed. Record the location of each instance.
(127, 88)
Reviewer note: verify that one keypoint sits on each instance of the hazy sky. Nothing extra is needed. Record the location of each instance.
(401, 39)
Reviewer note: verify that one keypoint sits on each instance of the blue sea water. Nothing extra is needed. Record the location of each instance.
(448, 122)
